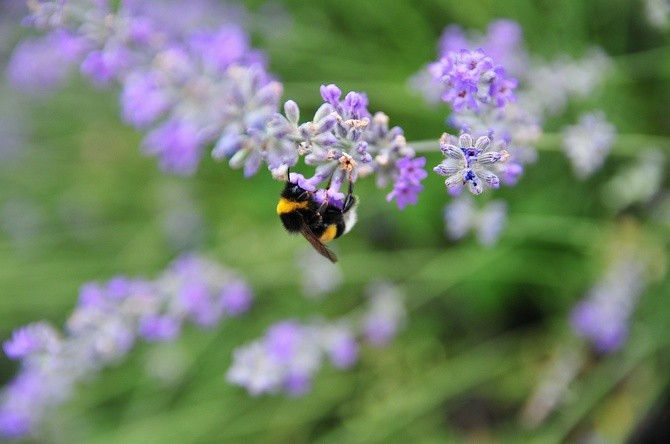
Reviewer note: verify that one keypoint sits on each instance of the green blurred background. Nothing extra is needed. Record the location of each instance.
(81, 203)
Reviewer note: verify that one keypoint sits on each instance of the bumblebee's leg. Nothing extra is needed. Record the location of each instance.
(350, 199)
(322, 207)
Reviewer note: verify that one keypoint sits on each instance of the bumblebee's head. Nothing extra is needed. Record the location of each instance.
(295, 192)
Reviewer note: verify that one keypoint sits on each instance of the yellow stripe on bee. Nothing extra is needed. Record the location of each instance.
(329, 233)
(286, 206)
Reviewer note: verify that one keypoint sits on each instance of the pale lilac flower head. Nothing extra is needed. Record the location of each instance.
(462, 216)
(109, 319)
(638, 182)
(344, 142)
(385, 315)
(340, 344)
(283, 360)
(602, 317)
(178, 145)
(189, 76)
(587, 143)
(205, 292)
(144, 98)
(38, 65)
(289, 354)
(236, 298)
(407, 185)
(553, 84)
(471, 80)
(503, 42)
(471, 163)
(34, 338)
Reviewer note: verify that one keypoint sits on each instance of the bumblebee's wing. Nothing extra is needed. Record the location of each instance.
(317, 244)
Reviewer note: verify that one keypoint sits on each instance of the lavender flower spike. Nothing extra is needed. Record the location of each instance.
(602, 317)
(471, 80)
(344, 142)
(471, 163)
(588, 142)
(285, 359)
(103, 328)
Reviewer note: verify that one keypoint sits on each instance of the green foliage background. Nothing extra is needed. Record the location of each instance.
(483, 323)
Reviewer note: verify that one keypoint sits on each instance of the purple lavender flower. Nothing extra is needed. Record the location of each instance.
(513, 126)
(33, 338)
(602, 317)
(503, 42)
(588, 142)
(108, 321)
(254, 370)
(340, 344)
(550, 85)
(199, 294)
(159, 328)
(461, 216)
(471, 80)
(386, 313)
(408, 181)
(38, 65)
(177, 144)
(471, 163)
(236, 298)
(637, 183)
(287, 357)
(190, 77)
(284, 359)
(144, 98)
(344, 142)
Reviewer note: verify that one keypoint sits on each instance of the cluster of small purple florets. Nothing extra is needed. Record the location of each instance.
(344, 142)
(190, 88)
(107, 322)
(288, 355)
(602, 316)
(470, 79)
(480, 95)
(186, 86)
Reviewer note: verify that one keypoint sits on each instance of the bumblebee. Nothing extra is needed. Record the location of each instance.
(300, 212)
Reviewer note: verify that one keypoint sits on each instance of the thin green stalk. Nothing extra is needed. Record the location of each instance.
(625, 144)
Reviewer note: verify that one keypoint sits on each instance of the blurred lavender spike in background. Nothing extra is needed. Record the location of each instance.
(603, 316)
(587, 143)
(103, 328)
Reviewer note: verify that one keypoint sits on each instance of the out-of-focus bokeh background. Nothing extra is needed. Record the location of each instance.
(487, 353)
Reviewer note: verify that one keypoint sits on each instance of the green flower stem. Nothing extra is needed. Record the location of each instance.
(625, 144)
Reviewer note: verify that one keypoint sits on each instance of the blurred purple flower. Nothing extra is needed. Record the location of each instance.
(602, 316)
(587, 143)
(386, 313)
(33, 338)
(407, 185)
(461, 216)
(344, 142)
(287, 357)
(236, 298)
(470, 79)
(178, 146)
(189, 75)
(103, 328)
(38, 65)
